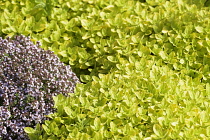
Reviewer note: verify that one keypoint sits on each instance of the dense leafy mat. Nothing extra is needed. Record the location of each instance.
(144, 64)
(89, 34)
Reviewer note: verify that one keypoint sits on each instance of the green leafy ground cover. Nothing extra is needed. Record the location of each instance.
(145, 65)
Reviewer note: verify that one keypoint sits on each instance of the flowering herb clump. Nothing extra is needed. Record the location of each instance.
(29, 77)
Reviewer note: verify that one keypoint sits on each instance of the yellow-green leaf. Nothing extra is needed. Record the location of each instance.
(29, 130)
(157, 129)
(199, 29)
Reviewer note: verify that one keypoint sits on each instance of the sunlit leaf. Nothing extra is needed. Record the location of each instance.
(199, 29)
(157, 129)
(97, 123)
(29, 130)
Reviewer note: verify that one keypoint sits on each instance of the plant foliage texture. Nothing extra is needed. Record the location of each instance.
(29, 77)
(145, 64)
(143, 102)
(149, 64)
(88, 34)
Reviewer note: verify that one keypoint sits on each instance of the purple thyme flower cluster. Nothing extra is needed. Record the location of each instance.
(29, 77)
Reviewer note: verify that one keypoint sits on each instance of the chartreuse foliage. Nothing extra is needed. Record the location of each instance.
(143, 101)
(88, 34)
(145, 64)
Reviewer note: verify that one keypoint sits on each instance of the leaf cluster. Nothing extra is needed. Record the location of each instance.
(145, 65)
(151, 102)
(92, 35)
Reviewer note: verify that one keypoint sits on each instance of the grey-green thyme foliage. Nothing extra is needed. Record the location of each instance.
(29, 77)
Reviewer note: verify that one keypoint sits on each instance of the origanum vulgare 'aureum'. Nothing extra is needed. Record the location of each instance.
(29, 77)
